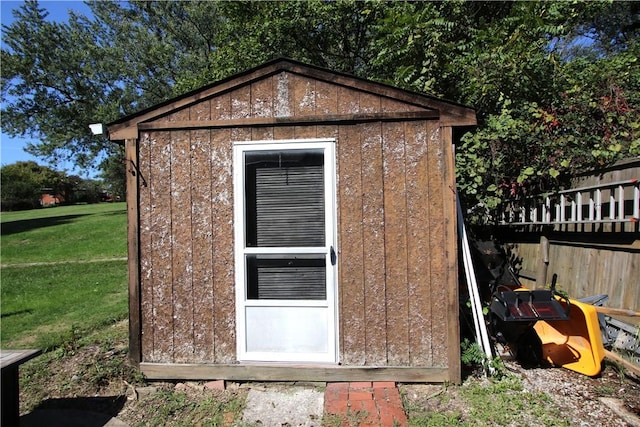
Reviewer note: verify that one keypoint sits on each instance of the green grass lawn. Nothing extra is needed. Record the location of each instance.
(64, 233)
(82, 283)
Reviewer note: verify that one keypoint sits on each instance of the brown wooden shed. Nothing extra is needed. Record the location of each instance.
(292, 223)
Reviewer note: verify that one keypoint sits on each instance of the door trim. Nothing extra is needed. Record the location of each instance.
(240, 251)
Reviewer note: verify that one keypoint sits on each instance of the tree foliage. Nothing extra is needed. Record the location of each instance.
(54, 85)
(113, 175)
(24, 183)
(555, 84)
(587, 115)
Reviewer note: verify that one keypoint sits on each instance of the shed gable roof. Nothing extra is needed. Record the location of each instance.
(409, 103)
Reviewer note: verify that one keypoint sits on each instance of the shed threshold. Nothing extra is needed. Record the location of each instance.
(291, 372)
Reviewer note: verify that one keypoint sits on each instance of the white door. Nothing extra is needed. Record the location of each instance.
(284, 250)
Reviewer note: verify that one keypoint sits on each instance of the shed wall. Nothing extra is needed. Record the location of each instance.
(394, 244)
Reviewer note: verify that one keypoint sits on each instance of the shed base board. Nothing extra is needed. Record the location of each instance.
(258, 372)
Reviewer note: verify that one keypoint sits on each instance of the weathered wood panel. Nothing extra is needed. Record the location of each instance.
(241, 103)
(221, 107)
(392, 105)
(303, 91)
(438, 285)
(283, 132)
(347, 102)
(454, 115)
(369, 103)
(451, 254)
(262, 134)
(289, 95)
(200, 111)
(161, 251)
(396, 254)
(282, 95)
(181, 246)
(223, 267)
(157, 371)
(262, 98)
(133, 249)
(327, 132)
(146, 260)
(336, 119)
(373, 224)
(203, 228)
(402, 254)
(351, 284)
(421, 215)
(326, 98)
(304, 132)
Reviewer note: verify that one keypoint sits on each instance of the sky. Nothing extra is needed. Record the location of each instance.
(12, 149)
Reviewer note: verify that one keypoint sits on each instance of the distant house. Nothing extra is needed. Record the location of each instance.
(50, 198)
(293, 223)
(106, 196)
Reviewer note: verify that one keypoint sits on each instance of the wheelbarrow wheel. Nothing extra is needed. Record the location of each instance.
(529, 350)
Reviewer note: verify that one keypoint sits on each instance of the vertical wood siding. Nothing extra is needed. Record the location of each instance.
(437, 243)
(202, 251)
(146, 267)
(161, 250)
(451, 249)
(396, 174)
(351, 248)
(373, 237)
(393, 245)
(182, 240)
(224, 313)
(419, 217)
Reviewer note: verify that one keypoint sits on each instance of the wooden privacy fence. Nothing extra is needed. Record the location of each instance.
(588, 235)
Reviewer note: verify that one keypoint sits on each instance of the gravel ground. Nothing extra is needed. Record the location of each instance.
(612, 399)
(580, 397)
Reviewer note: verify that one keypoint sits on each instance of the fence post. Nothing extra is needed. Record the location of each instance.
(543, 261)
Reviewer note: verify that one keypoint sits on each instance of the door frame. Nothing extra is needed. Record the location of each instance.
(240, 251)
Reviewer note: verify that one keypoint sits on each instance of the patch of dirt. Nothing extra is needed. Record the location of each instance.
(92, 377)
(98, 377)
(191, 403)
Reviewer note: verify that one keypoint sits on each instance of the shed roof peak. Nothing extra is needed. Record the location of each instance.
(454, 114)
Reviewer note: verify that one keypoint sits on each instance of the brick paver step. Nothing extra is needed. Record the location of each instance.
(365, 404)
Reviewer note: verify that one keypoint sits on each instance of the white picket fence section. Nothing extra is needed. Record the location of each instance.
(603, 203)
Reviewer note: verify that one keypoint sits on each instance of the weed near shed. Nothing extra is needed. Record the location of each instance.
(479, 402)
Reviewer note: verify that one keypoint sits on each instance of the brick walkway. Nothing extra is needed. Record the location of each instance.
(365, 404)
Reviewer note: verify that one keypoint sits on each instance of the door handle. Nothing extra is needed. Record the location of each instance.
(333, 255)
